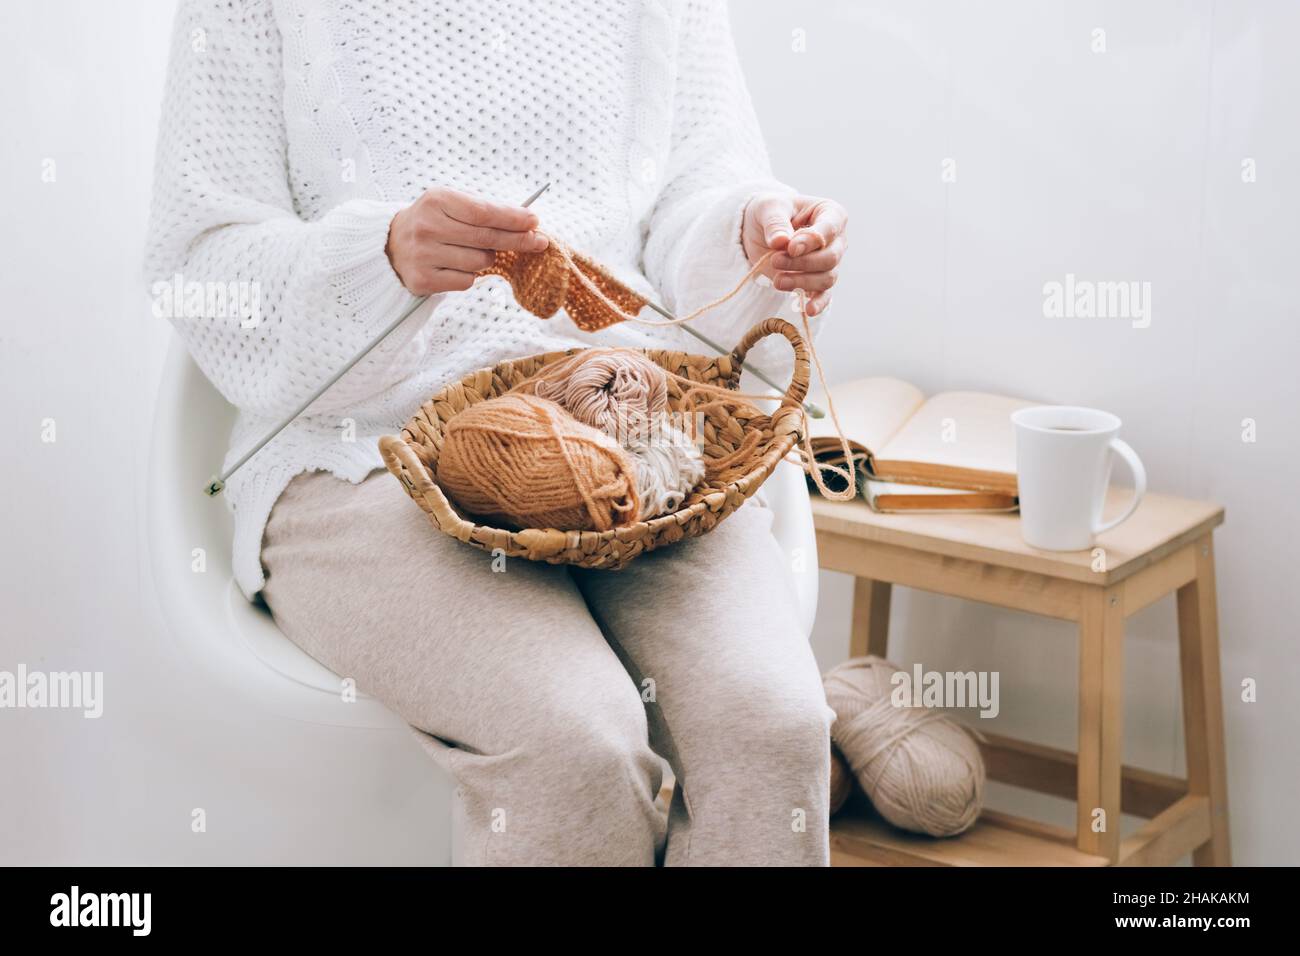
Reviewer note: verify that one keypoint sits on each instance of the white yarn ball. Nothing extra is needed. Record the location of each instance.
(921, 770)
(668, 466)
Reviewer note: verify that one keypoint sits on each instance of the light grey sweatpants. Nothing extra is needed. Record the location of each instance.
(547, 690)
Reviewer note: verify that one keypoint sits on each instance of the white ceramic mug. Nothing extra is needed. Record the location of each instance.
(1063, 462)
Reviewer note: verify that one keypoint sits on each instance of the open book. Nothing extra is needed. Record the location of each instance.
(953, 451)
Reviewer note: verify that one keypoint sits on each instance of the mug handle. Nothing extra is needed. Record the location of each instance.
(1122, 448)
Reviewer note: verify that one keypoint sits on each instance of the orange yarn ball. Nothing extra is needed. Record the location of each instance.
(523, 461)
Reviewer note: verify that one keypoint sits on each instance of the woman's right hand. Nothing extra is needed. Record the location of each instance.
(437, 243)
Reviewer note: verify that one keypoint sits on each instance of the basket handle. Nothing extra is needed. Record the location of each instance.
(403, 461)
(405, 465)
(797, 391)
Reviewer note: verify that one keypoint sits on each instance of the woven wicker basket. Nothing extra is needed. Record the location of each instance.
(413, 456)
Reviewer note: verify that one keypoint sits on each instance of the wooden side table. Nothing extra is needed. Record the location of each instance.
(1165, 547)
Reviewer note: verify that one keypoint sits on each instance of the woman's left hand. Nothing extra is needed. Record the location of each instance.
(808, 236)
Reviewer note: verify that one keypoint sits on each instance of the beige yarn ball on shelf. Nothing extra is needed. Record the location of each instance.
(921, 770)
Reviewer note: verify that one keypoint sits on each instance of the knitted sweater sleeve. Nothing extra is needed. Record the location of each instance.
(310, 294)
(716, 162)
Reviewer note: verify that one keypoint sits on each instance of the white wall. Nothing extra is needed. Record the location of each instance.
(1122, 165)
(1119, 165)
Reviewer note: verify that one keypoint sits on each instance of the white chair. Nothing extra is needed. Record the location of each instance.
(237, 641)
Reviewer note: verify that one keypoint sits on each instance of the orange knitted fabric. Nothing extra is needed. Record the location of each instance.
(526, 462)
(543, 285)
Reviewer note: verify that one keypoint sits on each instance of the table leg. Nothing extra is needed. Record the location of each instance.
(1198, 645)
(1101, 705)
(870, 628)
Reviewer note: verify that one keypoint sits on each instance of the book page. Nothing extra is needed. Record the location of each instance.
(963, 430)
(871, 489)
(871, 411)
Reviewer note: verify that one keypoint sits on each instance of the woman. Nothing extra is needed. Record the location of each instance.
(342, 158)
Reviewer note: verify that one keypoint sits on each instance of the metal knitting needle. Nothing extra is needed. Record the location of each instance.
(215, 486)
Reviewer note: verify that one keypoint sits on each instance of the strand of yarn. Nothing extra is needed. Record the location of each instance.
(810, 461)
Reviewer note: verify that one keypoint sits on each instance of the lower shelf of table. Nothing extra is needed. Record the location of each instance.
(859, 837)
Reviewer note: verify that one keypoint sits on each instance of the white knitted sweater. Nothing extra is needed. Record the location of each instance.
(292, 132)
